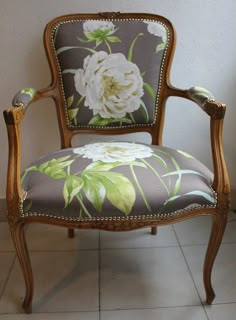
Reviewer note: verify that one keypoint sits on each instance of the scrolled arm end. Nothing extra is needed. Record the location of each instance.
(23, 97)
(206, 101)
(200, 95)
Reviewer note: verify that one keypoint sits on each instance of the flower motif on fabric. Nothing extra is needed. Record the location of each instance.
(109, 152)
(111, 85)
(157, 29)
(99, 31)
(98, 182)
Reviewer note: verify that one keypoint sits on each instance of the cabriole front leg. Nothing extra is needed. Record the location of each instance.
(217, 232)
(18, 236)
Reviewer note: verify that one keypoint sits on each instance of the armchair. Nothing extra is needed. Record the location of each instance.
(110, 75)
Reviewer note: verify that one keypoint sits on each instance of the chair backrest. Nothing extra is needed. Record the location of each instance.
(111, 70)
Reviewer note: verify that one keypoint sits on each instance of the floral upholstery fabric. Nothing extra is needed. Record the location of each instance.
(200, 95)
(110, 70)
(23, 97)
(116, 179)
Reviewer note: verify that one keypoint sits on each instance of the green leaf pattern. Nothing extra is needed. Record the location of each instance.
(98, 182)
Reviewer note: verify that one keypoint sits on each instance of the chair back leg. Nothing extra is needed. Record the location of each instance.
(71, 233)
(153, 231)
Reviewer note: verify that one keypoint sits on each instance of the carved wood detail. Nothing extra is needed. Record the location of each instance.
(109, 15)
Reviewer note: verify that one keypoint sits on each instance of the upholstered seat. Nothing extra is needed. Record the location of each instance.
(119, 180)
(111, 76)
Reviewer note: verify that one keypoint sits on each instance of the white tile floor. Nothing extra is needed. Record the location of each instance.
(120, 276)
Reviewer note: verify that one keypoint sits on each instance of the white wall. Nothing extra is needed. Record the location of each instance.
(205, 55)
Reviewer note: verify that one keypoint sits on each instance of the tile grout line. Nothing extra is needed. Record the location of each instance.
(121, 248)
(154, 308)
(205, 244)
(119, 309)
(8, 276)
(191, 274)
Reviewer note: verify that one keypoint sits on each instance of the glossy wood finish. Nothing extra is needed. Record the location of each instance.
(218, 228)
(18, 236)
(14, 116)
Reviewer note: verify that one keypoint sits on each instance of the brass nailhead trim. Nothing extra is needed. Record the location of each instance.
(19, 104)
(130, 218)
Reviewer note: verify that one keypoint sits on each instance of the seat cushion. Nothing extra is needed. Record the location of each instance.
(117, 180)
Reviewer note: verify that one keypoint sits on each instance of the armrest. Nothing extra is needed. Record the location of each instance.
(216, 111)
(23, 97)
(202, 97)
(13, 117)
(20, 102)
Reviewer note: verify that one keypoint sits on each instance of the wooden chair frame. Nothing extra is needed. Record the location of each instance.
(14, 116)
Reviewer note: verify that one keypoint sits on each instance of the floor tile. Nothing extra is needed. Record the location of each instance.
(52, 316)
(47, 237)
(139, 238)
(64, 281)
(6, 259)
(6, 243)
(223, 276)
(179, 313)
(145, 278)
(197, 230)
(221, 312)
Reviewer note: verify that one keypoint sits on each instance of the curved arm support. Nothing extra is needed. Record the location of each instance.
(202, 97)
(221, 182)
(14, 192)
(13, 117)
(26, 96)
(216, 111)
(23, 97)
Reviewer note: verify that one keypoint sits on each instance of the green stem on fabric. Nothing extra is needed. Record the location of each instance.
(79, 155)
(132, 118)
(26, 172)
(79, 101)
(167, 171)
(23, 177)
(62, 49)
(76, 173)
(147, 164)
(83, 207)
(140, 188)
(108, 46)
(80, 210)
(131, 48)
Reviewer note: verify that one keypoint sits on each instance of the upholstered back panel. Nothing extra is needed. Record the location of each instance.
(111, 70)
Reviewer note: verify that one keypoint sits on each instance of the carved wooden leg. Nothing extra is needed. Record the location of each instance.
(18, 236)
(153, 231)
(71, 233)
(217, 232)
